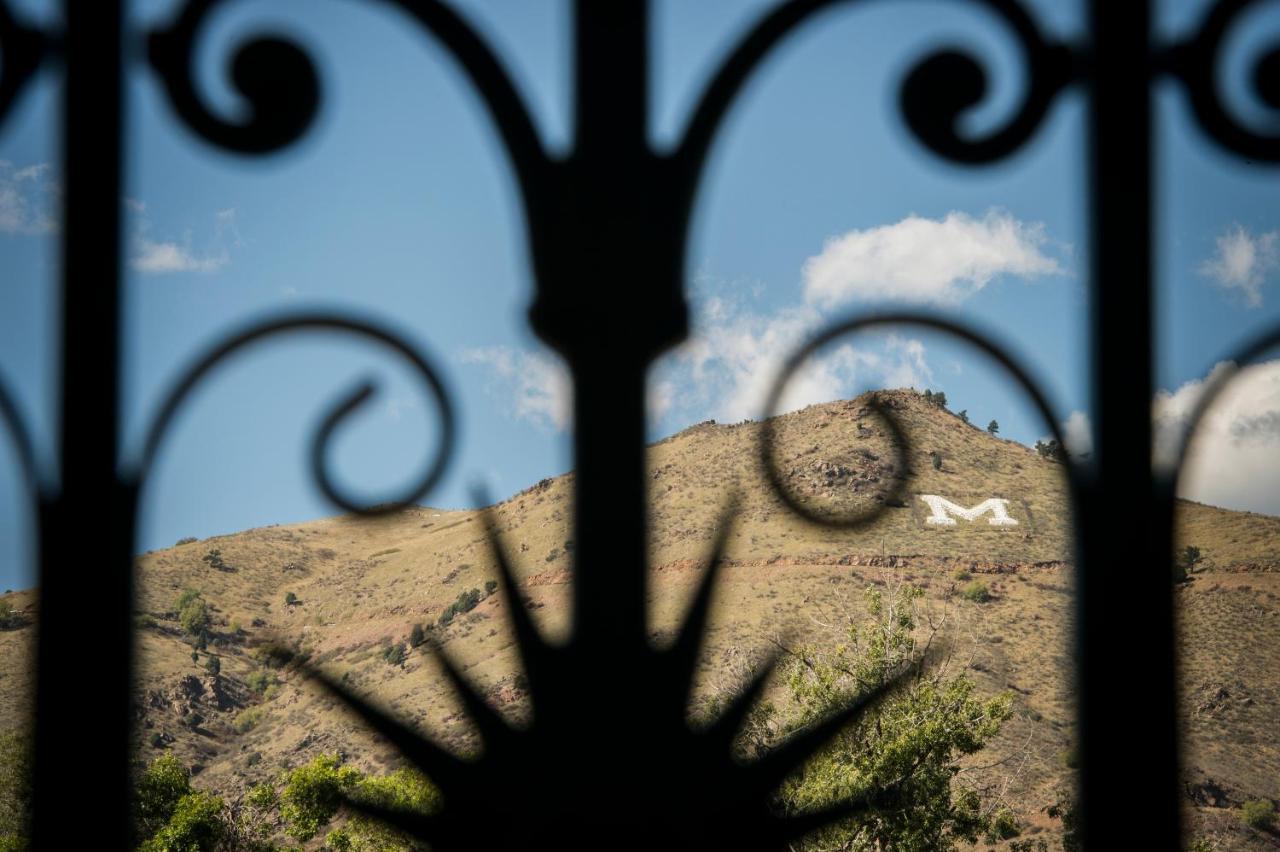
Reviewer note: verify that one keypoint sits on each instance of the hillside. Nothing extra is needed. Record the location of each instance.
(361, 586)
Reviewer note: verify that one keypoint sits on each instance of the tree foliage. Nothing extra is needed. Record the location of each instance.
(313, 794)
(908, 746)
(193, 613)
(164, 783)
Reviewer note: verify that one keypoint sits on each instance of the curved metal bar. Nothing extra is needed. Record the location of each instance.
(281, 83)
(949, 77)
(1195, 63)
(276, 76)
(21, 51)
(347, 405)
(11, 416)
(855, 324)
(1243, 357)
(510, 114)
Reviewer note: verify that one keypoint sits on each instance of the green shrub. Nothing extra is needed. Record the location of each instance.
(993, 428)
(164, 783)
(313, 793)
(9, 617)
(193, 614)
(962, 575)
(1259, 814)
(936, 458)
(490, 586)
(976, 591)
(1003, 826)
(247, 720)
(196, 825)
(290, 599)
(417, 636)
(214, 559)
(187, 596)
(213, 665)
(465, 602)
(395, 654)
(261, 680)
(1186, 562)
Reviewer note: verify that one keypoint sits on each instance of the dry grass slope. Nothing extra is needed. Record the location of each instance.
(361, 586)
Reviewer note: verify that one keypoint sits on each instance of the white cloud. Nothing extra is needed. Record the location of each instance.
(161, 257)
(1077, 433)
(27, 198)
(728, 367)
(1235, 459)
(940, 261)
(537, 384)
(1242, 262)
(168, 256)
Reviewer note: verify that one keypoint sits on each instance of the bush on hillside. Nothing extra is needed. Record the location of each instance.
(976, 591)
(9, 617)
(396, 654)
(194, 615)
(1259, 814)
(465, 602)
(1186, 562)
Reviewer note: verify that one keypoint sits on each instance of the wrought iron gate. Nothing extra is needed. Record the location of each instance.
(612, 194)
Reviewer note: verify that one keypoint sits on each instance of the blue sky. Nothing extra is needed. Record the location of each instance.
(399, 206)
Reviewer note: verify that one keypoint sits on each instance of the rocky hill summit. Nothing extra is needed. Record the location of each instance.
(354, 597)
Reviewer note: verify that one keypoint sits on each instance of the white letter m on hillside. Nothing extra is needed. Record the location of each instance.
(942, 510)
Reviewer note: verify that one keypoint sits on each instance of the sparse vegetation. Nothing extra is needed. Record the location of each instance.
(193, 613)
(937, 399)
(977, 592)
(889, 747)
(215, 561)
(261, 681)
(783, 574)
(1051, 450)
(396, 654)
(10, 618)
(464, 603)
(1259, 814)
(248, 719)
(1185, 562)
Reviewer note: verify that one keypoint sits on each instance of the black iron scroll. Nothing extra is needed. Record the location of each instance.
(613, 195)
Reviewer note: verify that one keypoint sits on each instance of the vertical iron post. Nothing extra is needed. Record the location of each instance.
(86, 527)
(1126, 631)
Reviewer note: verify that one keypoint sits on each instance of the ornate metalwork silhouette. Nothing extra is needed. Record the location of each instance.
(613, 195)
